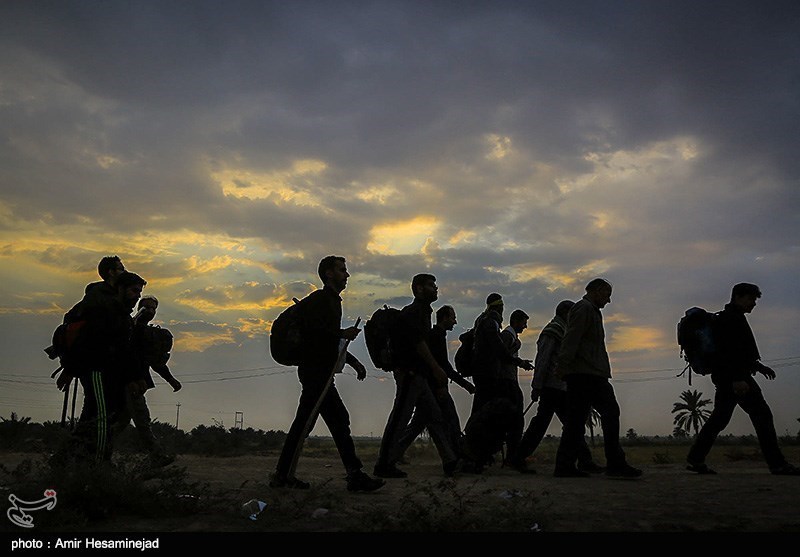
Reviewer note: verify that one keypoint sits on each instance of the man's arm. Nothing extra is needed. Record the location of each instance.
(166, 374)
(355, 363)
(437, 373)
(577, 325)
(544, 356)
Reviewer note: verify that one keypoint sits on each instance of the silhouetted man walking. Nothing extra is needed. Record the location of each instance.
(738, 362)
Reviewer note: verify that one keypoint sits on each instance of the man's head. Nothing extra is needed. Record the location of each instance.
(494, 302)
(147, 307)
(518, 320)
(744, 296)
(599, 292)
(129, 288)
(109, 268)
(424, 288)
(332, 271)
(563, 307)
(446, 317)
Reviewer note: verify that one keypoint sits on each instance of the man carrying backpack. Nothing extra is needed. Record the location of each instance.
(437, 342)
(101, 359)
(490, 354)
(737, 361)
(150, 349)
(415, 371)
(321, 321)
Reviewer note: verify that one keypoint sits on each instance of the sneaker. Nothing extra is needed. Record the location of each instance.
(786, 470)
(570, 473)
(291, 482)
(391, 471)
(624, 471)
(700, 468)
(359, 481)
(590, 467)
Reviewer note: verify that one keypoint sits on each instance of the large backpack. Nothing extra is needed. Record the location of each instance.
(65, 338)
(696, 338)
(285, 336)
(158, 346)
(378, 332)
(465, 354)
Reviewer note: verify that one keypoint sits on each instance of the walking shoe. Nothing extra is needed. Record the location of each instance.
(624, 471)
(786, 470)
(590, 467)
(700, 468)
(359, 481)
(390, 471)
(570, 473)
(450, 468)
(291, 482)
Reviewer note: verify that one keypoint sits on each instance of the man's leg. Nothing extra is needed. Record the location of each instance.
(537, 429)
(312, 387)
(428, 405)
(399, 416)
(605, 402)
(724, 404)
(761, 416)
(413, 430)
(579, 404)
(336, 417)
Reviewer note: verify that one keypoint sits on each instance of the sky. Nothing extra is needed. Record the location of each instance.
(221, 149)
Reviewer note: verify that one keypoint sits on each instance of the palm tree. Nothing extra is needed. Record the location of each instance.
(591, 422)
(689, 412)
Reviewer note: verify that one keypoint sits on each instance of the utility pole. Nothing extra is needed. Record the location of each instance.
(178, 414)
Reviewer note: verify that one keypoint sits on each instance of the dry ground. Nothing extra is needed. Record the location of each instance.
(742, 498)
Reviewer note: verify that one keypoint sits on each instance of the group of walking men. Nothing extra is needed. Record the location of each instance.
(111, 352)
(571, 377)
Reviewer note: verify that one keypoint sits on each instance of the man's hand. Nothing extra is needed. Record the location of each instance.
(740, 388)
(766, 372)
(350, 333)
(175, 384)
(361, 371)
(527, 365)
(64, 380)
(469, 387)
(535, 394)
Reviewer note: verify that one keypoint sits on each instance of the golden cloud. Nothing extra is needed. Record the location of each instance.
(553, 277)
(402, 237)
(499, 146)
(201, 341)
(629, 339)
(280, 184)
(630, 166)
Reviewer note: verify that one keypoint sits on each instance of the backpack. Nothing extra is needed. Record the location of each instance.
(378, 332)
(696, 338)
(285, 336)
(65, 338)
(158, 345)
(464, 356)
